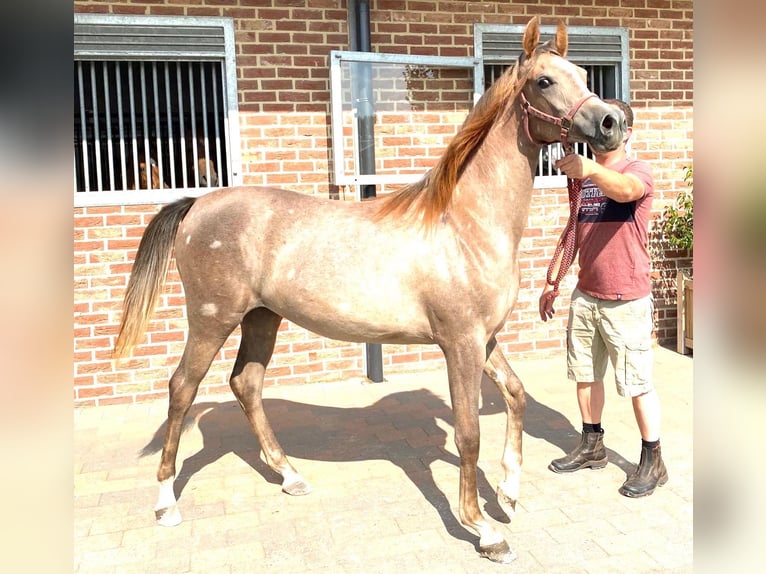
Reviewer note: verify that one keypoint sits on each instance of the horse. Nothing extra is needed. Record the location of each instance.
(142, 176)
(435, 262)
(204, 171)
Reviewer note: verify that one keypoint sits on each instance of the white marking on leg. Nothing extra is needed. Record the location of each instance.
(293, 483)
(166, 510)
(215, 245)
(166, 497)
(488, 535)
(508, 489)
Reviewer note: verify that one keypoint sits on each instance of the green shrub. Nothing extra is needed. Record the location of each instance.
(678, 218)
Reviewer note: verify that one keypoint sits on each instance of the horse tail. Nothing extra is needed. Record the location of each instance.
(148, 275)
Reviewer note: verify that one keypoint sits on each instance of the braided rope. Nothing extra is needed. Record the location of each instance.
(568, 243)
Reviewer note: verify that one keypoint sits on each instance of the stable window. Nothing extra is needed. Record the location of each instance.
(393, 114)
(602, 51)
(155, 108)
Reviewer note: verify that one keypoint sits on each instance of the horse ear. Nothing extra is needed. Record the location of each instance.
(562, 40)
(531, 37)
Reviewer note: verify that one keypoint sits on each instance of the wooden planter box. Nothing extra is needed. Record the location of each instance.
(685, 302)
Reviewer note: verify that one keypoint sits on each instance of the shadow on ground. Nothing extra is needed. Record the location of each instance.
(335, 434)
(543, 422)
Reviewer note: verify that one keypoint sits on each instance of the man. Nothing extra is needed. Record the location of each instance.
(611, 311)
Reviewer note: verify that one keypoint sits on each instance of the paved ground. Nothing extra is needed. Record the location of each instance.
(382, 461)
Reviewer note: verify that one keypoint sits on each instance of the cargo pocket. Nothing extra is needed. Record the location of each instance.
(637, 364)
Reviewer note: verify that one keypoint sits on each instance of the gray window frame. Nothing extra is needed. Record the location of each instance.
(337, 58)
(98, 37)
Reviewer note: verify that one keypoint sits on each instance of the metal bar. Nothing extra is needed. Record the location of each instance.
(133, 139)
(233, 156)
(145, 118)
(217, 128)
(123, 161)
(203, 85)
(193, 113)
(137, 197)
(83, 130)
(378, 58)
(599, 79)
(336, 121)
(96, 127)
(169, 116)
(108, 118)
(355, 155)
(181, 128)
(157, 129)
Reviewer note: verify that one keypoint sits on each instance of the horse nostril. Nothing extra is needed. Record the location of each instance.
(609, 123)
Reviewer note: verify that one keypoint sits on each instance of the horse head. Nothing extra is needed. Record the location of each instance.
(556, 102)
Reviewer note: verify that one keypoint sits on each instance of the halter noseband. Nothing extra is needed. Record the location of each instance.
(564, 123)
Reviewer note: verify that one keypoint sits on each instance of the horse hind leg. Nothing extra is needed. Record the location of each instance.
(512, 390)
(259, 333)
(199, 352)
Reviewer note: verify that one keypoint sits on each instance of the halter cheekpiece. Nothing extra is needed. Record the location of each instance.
(564, 123)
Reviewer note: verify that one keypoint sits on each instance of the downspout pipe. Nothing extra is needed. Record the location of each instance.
(364, 102)
(359, 28)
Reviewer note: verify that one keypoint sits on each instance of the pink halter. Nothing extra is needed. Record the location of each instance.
(564, 123)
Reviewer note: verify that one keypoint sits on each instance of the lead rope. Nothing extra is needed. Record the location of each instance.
(567, 244)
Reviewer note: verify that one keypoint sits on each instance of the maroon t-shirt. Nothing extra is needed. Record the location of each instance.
(613, 239)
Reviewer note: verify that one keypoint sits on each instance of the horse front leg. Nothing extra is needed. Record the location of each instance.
(512, 389)
(464, 368)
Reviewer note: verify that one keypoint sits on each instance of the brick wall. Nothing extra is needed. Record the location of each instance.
(282, 60)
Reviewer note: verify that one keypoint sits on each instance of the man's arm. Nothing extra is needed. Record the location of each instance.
(620, 187)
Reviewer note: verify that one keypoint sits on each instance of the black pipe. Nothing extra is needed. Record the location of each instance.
(365, 106)
(359, 26)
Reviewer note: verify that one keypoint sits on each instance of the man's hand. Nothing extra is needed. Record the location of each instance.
(576, 166)
(547, 297)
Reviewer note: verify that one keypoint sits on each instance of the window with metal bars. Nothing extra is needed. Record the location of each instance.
(155, 108)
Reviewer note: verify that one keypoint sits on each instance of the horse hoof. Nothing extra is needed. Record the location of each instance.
(507, 504)
(499, 552)
(169, 516)
(296, 488)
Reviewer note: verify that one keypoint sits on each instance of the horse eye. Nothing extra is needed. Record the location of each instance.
(544, 82)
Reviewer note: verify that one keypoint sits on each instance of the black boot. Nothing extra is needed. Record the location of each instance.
(650, 474)
(589, 453)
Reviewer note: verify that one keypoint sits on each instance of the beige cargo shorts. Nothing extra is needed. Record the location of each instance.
(601, 330)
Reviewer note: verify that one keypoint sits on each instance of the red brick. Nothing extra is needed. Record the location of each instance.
(662, 84)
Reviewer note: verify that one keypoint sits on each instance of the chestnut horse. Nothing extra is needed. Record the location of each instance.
(434, 263)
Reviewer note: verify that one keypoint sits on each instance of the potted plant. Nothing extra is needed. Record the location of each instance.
(678, 226)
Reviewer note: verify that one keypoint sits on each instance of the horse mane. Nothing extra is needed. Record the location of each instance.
(430, 197)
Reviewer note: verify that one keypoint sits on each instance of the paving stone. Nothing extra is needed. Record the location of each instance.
(384, 467)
